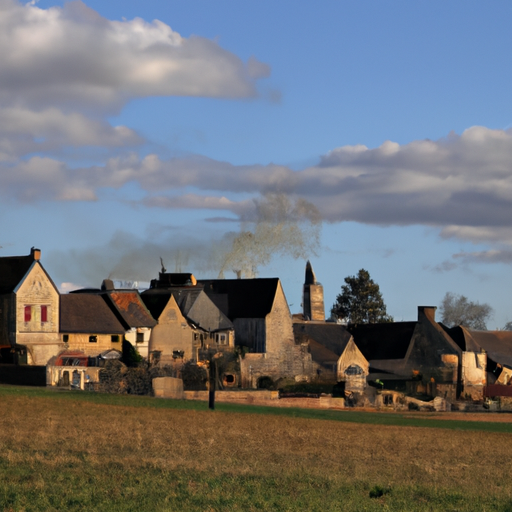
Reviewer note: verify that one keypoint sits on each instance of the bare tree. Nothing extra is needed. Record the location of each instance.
(458, 310)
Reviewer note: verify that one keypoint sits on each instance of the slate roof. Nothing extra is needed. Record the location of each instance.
(383, 341)
(155, 301)
(497, 344)
(326, 340)
(13, 270)
(87, 313)
(242, 298)
(194, 304)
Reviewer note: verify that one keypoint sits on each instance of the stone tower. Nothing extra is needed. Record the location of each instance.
(312, 297)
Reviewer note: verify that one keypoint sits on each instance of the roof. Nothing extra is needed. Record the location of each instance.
(87, 313)
(497, 344)
(155, 301)
(321, 354)
(242, 298)
(131, 308)
(12, 270)
(333, 337)
(383, 340)
(194, 304)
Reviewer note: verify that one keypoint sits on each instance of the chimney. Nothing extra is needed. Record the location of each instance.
(107, 285)
(428, 312)
(35, 253)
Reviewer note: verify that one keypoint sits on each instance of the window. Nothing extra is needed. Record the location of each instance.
(354, 369)
(28, 313)
(44, 313)
(65, 338)
(114, 338)
(140, 337)
(221, 339)
(178, 354)
(93, 339)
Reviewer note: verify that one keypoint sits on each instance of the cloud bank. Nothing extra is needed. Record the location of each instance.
(461, 184)
(64, 70)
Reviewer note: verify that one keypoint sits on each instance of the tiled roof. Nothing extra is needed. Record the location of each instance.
(131, 308)
(87, 313)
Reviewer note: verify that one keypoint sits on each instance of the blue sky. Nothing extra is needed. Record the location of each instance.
(124, 139)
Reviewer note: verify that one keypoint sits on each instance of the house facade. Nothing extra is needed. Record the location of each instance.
(29, 309)
(263, 326)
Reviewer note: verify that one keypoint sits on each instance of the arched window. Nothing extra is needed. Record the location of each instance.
(353, 369)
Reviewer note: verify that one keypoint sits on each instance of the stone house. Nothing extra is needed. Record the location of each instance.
(189, 325)
(29, 310)
(261, 317)
(414, 357)
(336, 357)
(129, 308)
(326, 342)
(488, 358)
(87, 324)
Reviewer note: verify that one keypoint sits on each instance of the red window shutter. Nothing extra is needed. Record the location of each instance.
(44, 313)
(28, 313)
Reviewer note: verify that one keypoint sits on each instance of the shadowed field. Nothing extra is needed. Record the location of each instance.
(65, 452)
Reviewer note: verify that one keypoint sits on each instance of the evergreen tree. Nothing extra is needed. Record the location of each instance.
(360, 301)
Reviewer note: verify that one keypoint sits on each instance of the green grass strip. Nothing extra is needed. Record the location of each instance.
(372, 418)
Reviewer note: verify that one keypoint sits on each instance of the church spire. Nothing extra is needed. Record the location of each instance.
(313, 296)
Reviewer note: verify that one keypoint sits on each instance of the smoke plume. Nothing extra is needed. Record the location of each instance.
(277, 226)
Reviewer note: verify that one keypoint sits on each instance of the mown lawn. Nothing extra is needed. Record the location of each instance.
(76, 451)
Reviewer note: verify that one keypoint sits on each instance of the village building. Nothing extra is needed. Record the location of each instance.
(488, 360)
(88, 325)
(29, 311)
(336, 357)
(261, 317)
(190, 325)
(130, 310)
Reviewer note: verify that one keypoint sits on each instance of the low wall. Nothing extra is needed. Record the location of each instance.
(268, 398)
(23, 375)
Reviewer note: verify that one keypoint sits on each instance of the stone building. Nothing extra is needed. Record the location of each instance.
(87, 324)
(130, 311)
(263, 329)
(29, 311)
(190, 325)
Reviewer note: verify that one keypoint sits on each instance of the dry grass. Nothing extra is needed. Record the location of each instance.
(44, 437)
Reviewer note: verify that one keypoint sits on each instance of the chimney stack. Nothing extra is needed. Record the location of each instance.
(428, 312)
(35, 253)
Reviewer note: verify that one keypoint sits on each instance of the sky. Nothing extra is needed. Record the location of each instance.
(137, 130)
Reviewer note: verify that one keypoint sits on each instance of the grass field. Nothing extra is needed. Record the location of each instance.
(79, 451)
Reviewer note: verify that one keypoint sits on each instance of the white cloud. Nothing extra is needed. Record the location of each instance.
(24, 131)
(72, 56)
(461, 183)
